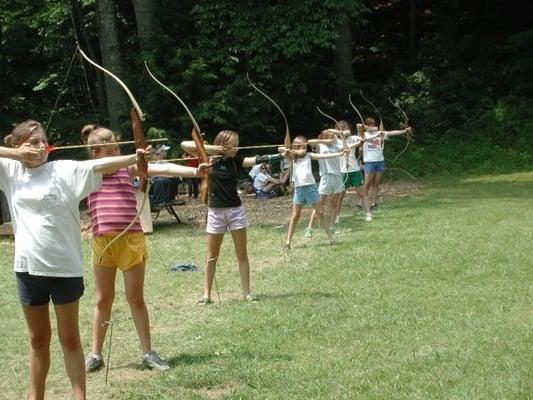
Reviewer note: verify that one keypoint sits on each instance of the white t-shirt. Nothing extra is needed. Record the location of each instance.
(330, 165)
(260, 181)
(302, 173)
(353, 164)
(373, 147)
(254, 171)
(44, 207)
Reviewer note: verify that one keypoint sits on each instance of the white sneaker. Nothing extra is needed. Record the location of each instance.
(152, 360)
(368, 217)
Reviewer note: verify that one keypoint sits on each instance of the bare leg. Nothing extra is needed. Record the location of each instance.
(134, 288)
(319, 210)
(295, 217)
(214, 241)
(377, 182)
(69, 337)
(38, 322)
(334, 203)
(239, 240)
(340, 199)
(323, 198)
(369, 185)
(104, 280)
(364, 200)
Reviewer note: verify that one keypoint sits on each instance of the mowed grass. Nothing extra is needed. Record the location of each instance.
(432, 300)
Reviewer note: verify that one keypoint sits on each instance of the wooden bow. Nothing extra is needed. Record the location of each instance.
(287, 139)
(358, 113)
(196, 137)
(136, 116)
(340, 136)
(381, 126)
(407, 124)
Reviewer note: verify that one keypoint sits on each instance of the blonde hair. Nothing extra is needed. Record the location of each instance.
(223, 137)
(95, 134)
(21, 132)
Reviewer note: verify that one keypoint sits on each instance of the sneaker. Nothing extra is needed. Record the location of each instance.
(373, 205)
(308, 233)
(368, 217)
(203, 301)
(152, 360)
(287, 246)
(250, 298)
(93, 362)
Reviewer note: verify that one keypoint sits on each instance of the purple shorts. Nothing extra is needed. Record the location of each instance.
(220, 220)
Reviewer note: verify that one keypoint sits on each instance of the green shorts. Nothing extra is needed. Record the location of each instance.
(352, 179)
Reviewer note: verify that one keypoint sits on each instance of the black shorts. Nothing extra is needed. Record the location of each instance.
(35, 290)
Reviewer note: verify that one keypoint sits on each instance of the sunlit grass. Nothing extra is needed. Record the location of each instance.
(432, 300)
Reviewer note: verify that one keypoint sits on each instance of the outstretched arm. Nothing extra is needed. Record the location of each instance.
(190, 147)
(367, 128)
(323, 156)
(397, 132)
(108, 165)
(170, 170)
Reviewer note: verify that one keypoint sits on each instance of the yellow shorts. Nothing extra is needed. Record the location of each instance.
(124, 253)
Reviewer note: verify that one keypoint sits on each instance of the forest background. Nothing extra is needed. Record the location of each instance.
(460, 69)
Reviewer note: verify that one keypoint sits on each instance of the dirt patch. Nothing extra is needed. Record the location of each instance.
(277, 211)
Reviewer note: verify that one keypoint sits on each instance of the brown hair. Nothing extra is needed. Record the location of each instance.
(299, 140)
(345, 125)
(223, 137)
(370, 121)
(326, 134)
(21, 132)
(96, 134)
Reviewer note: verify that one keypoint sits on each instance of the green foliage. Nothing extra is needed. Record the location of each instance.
(465, 86)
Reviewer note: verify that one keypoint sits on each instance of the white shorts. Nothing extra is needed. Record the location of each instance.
(220, 220)
(331, 184)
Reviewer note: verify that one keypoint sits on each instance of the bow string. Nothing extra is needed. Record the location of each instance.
(136, 117)
(195, 134)
(287, 139)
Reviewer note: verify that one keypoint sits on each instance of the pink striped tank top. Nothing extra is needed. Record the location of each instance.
(113, 206)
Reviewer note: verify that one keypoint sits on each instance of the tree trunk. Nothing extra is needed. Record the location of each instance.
(111, 60)
(82, 35)
(146, 26)
(343, 64)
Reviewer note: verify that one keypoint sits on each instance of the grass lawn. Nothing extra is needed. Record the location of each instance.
(431, 300)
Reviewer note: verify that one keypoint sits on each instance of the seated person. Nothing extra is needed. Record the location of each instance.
(164, 189)
(264, 183)
(253, 172)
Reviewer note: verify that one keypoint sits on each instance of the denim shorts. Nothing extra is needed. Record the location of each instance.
(35, 290)
(375, 167)
(220, 220)
(307, 194)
